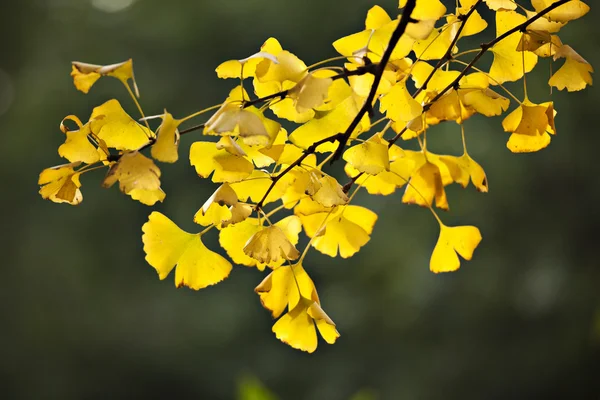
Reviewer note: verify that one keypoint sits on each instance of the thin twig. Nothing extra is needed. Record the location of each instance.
(368, 104)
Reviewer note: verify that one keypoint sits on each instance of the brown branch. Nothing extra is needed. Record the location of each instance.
(310, 150)
(368, 104)
(486, 46)
(448, 55)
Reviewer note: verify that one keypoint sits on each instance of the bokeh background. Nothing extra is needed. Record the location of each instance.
(83, 316)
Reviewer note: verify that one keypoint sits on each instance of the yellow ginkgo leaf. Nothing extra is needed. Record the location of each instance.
(399, 105)
(474, 25)
(227, 167)
(426, 185)
(575, 74)
(239, 212)
(464, 168)
(297, 327)
(167, 140)
(452, 240)
(216, 208)
(270, 245)
(310, 92)
(345, 230)
(484, 101)
(439, 80)
(257, 184)
(112, 124)
(167, 246)
(436, 44)
(85, 75)
(370, 157)
(245, 67)
(501, 5)
(147, 197)
(61, 184)
(426, 9)
(234, 237)
(530, 126)
(133, 171)
(232, 119)
(569, 11)
(288, 67)
(330, 193)
(510, 64)
(329, 124)
(78, 146)
(284, 287)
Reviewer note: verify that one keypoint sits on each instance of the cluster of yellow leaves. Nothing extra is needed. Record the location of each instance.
(271, 184)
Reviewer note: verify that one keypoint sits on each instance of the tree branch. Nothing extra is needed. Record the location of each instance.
(368, 104)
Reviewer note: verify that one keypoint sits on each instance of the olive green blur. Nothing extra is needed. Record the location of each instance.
(84, 317)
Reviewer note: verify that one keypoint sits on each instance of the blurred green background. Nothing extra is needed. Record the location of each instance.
(83, 316)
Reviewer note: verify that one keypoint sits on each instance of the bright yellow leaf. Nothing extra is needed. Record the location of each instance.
(118, 130)
(61, 184)
(270, 245)
(510, 64)
(569, 11)
(297, 327)
(370, 157)
(575, 74)
(167, 140)
(167, 246)
(227, 167)
(426, 9)
(85, 75)
(215, 210)
(531, 126)
(426, 185)
(452, 240)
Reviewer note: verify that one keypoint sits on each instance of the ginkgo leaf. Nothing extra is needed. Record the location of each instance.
(345, 230)
(464, 168)
(310, 92)
(231, 119)
(147, 197)
(61, 184)
(85, 75)
(531, 126)
(216, 208)
(569, 11)
(133, 171)
(575, 74)
(435, 45)
(167, 246)
(329, 124)
(426, 9)
(501, 5)
(426, 185)
(257, 184)
(284, 287)
(227, 167)
(79, 147)
(297, 327)
(239, 212)
(270, 245)
(288, 66)
(510, 64)
(165, 148)
(233, 239)
(330, 193)
(112, 124)
(399, 105)
(246, 66)
(370, 157)
(454, 241)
